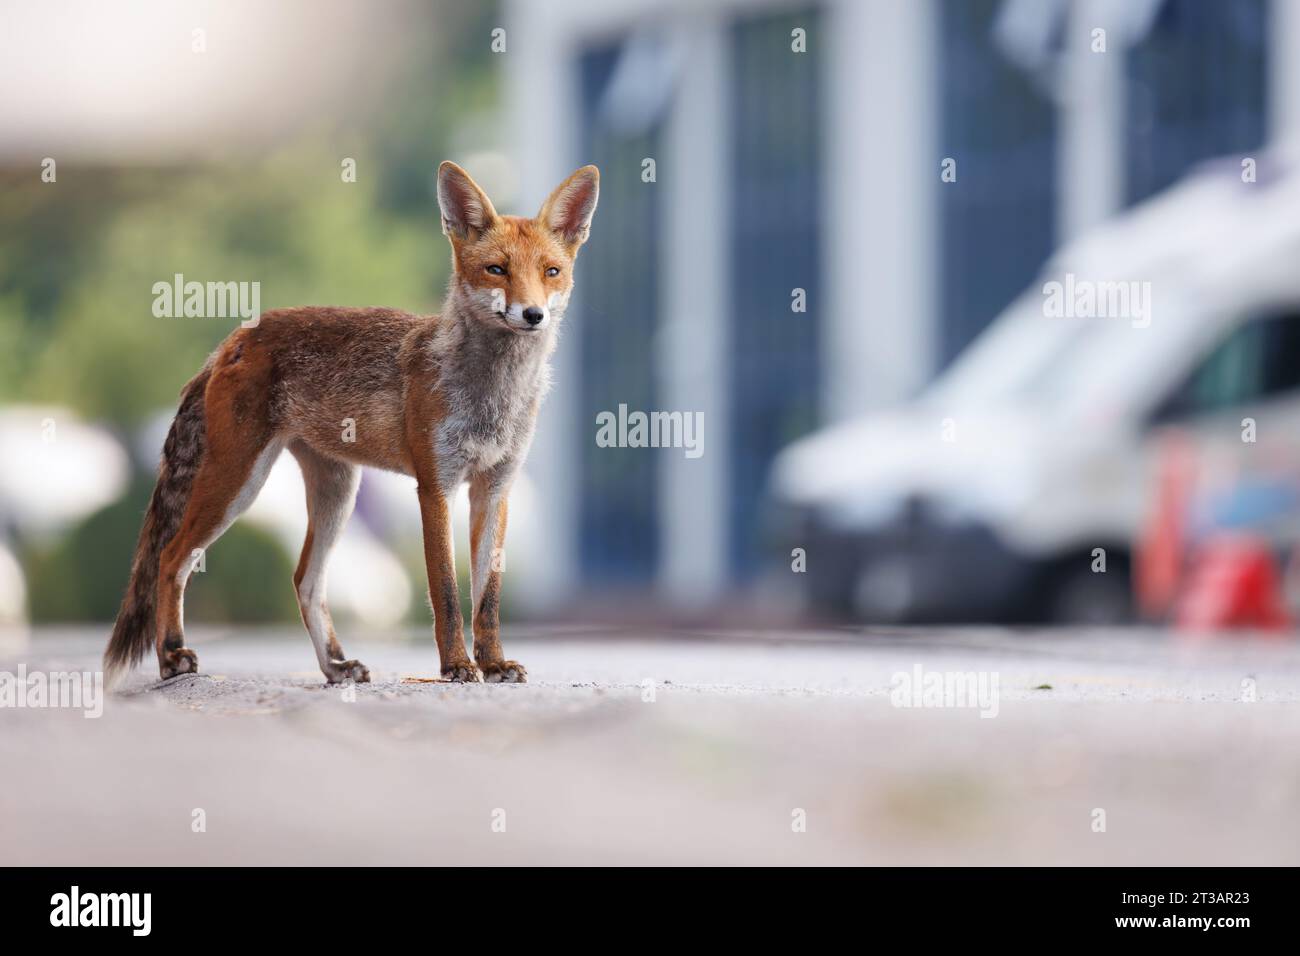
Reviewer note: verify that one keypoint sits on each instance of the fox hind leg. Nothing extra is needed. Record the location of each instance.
(226, 484)
(331, 492)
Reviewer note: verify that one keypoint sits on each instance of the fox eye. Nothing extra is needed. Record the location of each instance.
(497, 270)
(552, 271)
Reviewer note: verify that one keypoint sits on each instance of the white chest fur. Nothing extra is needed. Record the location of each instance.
(489, 425)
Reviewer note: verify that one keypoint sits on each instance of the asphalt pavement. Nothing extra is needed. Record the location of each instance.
(968, 746)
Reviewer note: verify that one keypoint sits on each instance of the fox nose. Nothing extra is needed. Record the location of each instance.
(533, 315)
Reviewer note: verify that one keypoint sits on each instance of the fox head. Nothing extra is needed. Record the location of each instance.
(515, 274)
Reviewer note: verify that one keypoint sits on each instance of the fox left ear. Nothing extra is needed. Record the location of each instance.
(569, 209)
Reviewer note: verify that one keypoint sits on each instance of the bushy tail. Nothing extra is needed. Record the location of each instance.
(133, 634)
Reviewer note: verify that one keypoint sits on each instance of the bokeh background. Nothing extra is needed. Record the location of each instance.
(836, 254)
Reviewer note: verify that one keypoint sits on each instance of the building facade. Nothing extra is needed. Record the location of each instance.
(808, 209)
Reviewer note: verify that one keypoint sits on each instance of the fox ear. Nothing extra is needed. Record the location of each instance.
(569, 209)
(465, 208)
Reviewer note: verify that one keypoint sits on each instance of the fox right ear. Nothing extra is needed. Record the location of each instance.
(466, 210)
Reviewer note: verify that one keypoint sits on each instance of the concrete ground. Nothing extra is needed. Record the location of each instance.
(638, 748)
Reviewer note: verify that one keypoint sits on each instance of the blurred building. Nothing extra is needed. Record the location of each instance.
(799, 152)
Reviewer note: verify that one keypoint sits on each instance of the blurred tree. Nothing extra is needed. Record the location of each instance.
(291, 225)
(247, 576)
(78, 258)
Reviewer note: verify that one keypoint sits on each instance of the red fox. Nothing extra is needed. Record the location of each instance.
(446, 399)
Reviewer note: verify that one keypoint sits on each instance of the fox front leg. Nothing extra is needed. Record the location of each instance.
(487, 523)
(440, 561)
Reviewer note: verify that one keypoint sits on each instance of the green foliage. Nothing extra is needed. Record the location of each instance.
(290, 224)
(247, 576)
(248, 579)
(79, 257)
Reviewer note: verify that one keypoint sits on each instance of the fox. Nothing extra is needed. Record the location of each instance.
(447, 399)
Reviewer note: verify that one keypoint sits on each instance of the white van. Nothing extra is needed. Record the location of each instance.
(987, 496)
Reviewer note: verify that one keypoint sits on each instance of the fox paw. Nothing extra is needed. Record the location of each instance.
(504, 672)
(460, 673)
(340, 671)
(178, 661)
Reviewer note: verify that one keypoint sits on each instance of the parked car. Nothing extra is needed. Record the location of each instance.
(989, 495)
